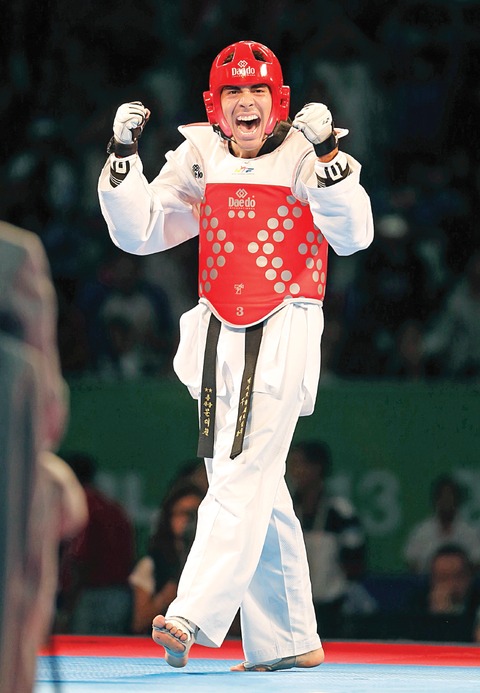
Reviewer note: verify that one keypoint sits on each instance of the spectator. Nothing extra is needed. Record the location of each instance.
(28, 312)
(41, 502)
(448, 608)
(422, 39)
(155, 577)
(44, 172)
(392, 290)
(346, 73)
(454, 337)
(334, 536)
(407, 360)
(192, 471)
(72, 334)
(125, 357)
(95, 597)
(445, 526)
(129, 319)
(415, 57)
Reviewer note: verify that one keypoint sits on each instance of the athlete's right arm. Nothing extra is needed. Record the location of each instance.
(145, 217)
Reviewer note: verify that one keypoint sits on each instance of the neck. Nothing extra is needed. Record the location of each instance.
(446, 522)
(243, 153)
(269, 144)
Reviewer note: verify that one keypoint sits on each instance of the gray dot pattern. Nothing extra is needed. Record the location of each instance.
(266, 249)
(219, 247)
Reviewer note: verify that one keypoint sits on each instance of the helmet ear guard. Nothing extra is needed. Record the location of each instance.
(284, 102)
(242, 64)
(209, 107)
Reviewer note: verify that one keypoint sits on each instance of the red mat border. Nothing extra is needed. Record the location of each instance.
(335, 652)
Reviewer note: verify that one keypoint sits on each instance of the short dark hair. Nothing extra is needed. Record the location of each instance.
(316, 453)
(162, 535)
(445, 480)
(83, 465)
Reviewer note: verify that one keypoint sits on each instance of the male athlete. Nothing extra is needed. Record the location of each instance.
(267, 198)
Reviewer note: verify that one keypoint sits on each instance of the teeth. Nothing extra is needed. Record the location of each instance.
(247, 118)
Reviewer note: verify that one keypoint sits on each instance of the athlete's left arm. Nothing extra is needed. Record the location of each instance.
(330, 180)
(339, 204)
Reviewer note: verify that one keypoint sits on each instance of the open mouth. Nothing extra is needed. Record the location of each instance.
(247, 123)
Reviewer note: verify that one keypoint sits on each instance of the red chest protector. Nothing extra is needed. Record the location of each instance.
(259, 247)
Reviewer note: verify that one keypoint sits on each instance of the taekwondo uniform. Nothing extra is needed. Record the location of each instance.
(264, 230)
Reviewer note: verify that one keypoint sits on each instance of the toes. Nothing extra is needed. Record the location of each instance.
(159, 621)
(176, 632)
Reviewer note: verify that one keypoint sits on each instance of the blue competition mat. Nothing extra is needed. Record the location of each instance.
(67, 674)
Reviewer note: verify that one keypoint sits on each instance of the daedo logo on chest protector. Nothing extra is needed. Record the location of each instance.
(259, 247)
(241, 201)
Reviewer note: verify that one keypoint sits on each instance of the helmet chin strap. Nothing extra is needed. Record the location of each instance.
(220, 133)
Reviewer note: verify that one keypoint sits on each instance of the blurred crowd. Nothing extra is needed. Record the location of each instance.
(109, 583)
(402, 76)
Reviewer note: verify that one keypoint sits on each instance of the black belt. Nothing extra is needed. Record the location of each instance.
(209, 390)
(253, 338)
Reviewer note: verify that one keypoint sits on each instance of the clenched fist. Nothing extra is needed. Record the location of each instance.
(130, 119)
(315, 121)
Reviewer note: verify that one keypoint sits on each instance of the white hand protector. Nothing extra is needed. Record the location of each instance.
(129, 122)
(316, 123)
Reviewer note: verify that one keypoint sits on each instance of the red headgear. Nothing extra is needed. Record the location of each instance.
(242, 64)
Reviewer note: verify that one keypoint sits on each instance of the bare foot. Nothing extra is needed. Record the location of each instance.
(175, 638)
(303, 661)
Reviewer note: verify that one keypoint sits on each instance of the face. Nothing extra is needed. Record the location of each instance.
(447, 503)
(302, 474)
(184, 510)
(246, 110)
(452, 574)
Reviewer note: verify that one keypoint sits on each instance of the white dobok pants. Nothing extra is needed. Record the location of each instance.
(249, 550)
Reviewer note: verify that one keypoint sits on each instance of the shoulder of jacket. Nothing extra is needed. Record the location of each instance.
(198, 133)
